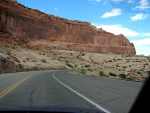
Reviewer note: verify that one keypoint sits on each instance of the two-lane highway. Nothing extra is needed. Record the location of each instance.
(60, 88)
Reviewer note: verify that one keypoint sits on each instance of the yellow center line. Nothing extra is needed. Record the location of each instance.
(5, 91)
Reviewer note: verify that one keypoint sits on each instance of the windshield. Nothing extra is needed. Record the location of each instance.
(73, 54)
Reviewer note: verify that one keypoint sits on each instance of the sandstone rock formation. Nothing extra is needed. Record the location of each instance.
(7, 64)
(25, 23)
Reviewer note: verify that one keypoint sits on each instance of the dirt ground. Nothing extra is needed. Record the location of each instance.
(129, 67)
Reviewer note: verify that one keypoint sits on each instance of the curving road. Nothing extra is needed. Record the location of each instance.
(61, 88)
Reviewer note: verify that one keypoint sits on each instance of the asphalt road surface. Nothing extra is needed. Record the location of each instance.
(61, 88)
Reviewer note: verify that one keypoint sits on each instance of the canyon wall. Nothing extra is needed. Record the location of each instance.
(25, 23)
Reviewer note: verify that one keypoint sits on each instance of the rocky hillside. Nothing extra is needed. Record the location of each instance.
(127, 67)
(9, 64)
(25, 24)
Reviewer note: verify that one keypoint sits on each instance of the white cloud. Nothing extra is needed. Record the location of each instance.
(146, 34)
(113, 12)
(56, 9)
(142, 46)
(139, 16)
(118, 29)
(95, 0)
(131, 1)
(116, 0)
(143, 49)
(145, 41)
(144, 4)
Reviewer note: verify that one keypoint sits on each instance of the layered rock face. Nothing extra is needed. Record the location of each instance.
(26, 23)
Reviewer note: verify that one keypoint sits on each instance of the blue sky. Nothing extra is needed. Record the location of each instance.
(128, 17)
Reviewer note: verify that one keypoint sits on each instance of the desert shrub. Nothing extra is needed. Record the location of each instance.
(87, 66)
(110, 61)
(82, 54)
(142, 69)
(146, 64)
(33, 60)
(8, 53)
(90, 69)
(138, 72)
(122, 76)
(124, 66)
(68, 64)
(78, 56)
(55, 53)
(82, 71)
(101, 73)
(112, 74)
(137, 61)
(43, 60)
(60, 57)
(117, 65)
(130, 79)
(66, 61)
(118, 59)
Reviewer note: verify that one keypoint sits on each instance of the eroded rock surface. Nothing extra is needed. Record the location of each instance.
(8, 64)
(19, 21)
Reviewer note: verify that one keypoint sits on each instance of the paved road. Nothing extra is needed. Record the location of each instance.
(60, 88)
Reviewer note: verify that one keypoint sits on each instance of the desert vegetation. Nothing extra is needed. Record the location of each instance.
(127, 67)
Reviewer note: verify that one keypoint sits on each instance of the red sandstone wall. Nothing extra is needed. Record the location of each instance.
(23, 22)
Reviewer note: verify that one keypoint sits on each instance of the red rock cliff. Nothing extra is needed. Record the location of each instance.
(24, 22)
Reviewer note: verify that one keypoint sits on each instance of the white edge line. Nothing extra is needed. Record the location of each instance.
(90, 101)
